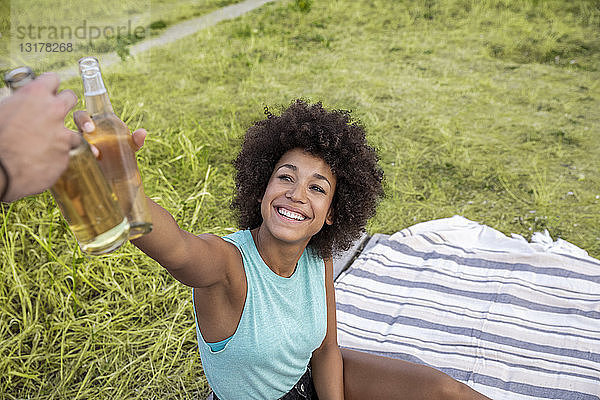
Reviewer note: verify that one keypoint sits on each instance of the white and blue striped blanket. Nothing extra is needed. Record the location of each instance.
(513, 320)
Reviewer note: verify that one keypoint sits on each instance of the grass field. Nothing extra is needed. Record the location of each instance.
(488, 109)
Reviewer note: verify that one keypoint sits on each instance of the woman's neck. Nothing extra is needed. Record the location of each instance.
(280, 257)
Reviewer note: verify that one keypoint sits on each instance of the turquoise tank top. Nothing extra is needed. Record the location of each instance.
(283, 321)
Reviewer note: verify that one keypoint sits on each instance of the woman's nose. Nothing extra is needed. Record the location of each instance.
(296, 193)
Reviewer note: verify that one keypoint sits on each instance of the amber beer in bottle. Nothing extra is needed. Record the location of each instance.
(84, 197)
(117, 156)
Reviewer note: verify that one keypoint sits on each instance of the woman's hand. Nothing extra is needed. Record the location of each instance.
(85, 124)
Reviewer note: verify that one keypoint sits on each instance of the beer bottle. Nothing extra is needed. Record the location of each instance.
(117, 156)
(84, 197)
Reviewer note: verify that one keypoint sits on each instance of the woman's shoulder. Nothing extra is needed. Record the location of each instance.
(239, 238)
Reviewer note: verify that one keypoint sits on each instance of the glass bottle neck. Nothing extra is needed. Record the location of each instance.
(98, 104)
(96, 96)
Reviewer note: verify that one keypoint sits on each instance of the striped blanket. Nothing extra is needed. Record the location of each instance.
(513, 320)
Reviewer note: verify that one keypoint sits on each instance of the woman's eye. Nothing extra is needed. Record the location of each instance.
(318, 189)
(286, 178)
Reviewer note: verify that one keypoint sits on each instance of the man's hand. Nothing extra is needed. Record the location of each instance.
(34, 143)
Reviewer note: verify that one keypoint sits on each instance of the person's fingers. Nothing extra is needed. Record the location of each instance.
(95, 151)
(74, 138)
(139, 137)
(68, 99)
(83, 121)
(49, 80)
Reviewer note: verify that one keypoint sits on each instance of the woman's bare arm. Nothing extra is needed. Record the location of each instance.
(196, 261)
(326, 361)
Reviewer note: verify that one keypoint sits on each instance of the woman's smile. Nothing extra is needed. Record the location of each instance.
(291, 214)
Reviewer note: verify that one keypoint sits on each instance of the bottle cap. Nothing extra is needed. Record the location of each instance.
(19, 77)
(89, 66)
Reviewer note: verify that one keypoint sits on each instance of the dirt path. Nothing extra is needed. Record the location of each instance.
(175, 32)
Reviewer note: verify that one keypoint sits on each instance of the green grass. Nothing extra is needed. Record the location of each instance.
(469, 107)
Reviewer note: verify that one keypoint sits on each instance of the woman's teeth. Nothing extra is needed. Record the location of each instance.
(291, 214)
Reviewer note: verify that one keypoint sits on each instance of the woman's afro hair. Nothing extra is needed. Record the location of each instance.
(330, 135)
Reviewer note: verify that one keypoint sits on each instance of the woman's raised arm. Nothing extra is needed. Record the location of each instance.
(196, 261)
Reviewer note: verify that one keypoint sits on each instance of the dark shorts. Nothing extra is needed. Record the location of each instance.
(304, 389)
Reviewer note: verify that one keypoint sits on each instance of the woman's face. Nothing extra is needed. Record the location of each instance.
(297, 201)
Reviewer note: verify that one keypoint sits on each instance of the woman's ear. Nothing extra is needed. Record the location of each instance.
(329, 218)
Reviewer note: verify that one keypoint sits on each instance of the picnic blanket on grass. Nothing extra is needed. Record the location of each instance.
(512, 319)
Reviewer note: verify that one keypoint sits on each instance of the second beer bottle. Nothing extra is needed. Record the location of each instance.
(117, 155)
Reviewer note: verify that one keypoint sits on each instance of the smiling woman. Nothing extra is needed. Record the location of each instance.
(354, 177)
(263, 297)
(264, 301)
(297, 200)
